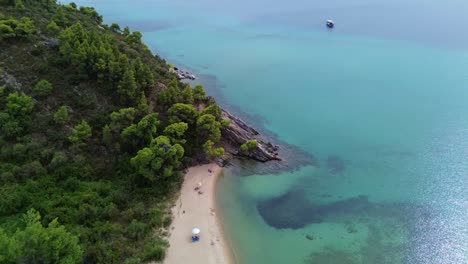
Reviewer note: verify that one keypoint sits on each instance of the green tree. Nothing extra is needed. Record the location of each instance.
(143, 132)
(199, 93)
(37, 244)
(6, 32)
(148, 127)
(61, 116)
(212, 152)
(167, 97)
(213, 110)
(225, 123)
(115, 27)
(25, 28)
(59, 17)
(59, 158)
(80, 133)
(9, 246)
(123, 118)
(183, 113)
(143, 75)
(53, 27)
(9, 126)
(19, 105)
(176, 132)
(134, 38)
(17, 117)
(43, 88)
(143, 104)
(92, 13)
(19, 5)
(208, 128)
(128, 86)
(159, 160)
(187, 95)
(249, 145)
(126, 31)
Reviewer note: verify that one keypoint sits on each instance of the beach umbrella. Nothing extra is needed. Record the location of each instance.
(195, 231)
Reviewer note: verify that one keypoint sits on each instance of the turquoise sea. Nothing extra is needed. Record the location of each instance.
(380, 103)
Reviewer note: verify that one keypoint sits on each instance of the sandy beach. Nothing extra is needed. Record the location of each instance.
(194, 209)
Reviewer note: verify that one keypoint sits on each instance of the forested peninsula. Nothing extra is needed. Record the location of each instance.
(95, 132)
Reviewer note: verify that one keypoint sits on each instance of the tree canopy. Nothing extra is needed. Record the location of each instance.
(61, 116)
(94, 133)
(208, 128)
(183, 113)
(159, 160)
(249, 145)
(43, 87)
(80, 132)
(38, 244)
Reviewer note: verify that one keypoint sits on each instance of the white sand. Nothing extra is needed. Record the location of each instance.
(200, 212)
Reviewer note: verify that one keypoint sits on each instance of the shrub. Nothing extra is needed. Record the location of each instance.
(19, 5)
(249, 145)
(43, 88)
(6, 32)
(212, 152)
(80, 132)
(25, 28)
(58, 159)
(53, 27)
(137, 230)
(115, 27)
(154, 252)
(61, 116)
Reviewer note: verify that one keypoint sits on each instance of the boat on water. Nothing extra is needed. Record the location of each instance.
(330, 23)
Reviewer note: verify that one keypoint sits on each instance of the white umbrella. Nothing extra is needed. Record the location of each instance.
(195, 231)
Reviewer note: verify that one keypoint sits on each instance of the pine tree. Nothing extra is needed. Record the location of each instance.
(43, 88)
(80, 133)
(61, 116)
(199, 93)
(128, 86)
(143, 104)
(187, 95)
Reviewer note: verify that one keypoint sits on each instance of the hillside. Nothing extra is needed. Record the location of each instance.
(94, 133)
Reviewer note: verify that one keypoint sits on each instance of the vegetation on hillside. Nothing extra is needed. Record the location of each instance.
(94, 133)
(249, 145)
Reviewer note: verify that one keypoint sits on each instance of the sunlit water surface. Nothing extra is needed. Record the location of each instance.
(381, 102)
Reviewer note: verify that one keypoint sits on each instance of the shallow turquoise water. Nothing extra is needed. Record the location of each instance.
(381, 102)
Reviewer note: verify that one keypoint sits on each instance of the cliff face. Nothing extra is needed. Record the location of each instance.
(238, 132)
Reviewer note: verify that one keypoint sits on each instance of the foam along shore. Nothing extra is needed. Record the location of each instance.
(196, 208)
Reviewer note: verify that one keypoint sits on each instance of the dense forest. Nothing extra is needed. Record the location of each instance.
(95, 131)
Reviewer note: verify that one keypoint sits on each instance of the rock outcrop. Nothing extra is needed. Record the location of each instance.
(181, 74)
(238, 132)
(9, 81)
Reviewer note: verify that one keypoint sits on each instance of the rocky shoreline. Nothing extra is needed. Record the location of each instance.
(238, 132)
(182, 74)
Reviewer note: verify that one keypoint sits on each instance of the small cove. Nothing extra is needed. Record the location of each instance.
(379, 102)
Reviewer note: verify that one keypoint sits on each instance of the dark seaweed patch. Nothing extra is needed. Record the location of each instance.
(293, 210)
(286, 211)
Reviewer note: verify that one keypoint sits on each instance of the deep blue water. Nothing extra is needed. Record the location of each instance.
(380, 101)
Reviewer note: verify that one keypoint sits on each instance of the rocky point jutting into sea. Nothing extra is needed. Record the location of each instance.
(380, 102)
